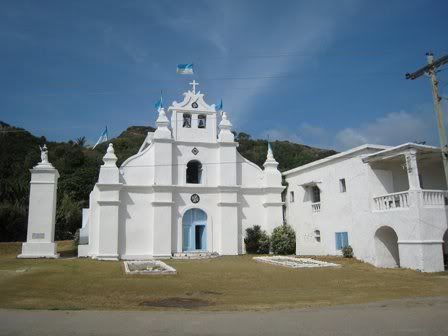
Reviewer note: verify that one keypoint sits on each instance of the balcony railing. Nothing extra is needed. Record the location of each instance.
(315, 207)
(392, 201)
(428, 198)
(435, 197)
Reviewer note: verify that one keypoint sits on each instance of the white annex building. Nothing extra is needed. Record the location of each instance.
(388, 203)
(187, 189)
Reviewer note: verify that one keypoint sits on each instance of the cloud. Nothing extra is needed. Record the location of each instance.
(392, 129)
(314, 131)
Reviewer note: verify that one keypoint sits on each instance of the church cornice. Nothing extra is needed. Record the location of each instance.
(109, 186)
(203, 188)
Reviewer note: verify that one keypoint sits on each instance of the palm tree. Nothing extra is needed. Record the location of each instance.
(81, 141)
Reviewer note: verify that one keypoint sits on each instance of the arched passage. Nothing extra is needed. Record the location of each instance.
(445, 249)
(194, 230)
(386, 248)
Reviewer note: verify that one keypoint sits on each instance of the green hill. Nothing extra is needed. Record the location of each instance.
(78, 167)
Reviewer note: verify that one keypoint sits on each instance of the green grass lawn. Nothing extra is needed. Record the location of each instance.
(225, 283)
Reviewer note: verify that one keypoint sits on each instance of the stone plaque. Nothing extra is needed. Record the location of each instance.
(38, 235)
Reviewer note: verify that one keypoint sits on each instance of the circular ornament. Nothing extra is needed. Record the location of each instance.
(195, 198)
(194, 105)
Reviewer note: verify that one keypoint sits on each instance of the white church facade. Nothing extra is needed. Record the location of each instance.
(186, 190)
(389, 203)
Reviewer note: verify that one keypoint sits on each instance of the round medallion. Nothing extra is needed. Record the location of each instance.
(195, 198)
(194, 105)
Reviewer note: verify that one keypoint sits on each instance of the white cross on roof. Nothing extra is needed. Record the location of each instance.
(193, 84)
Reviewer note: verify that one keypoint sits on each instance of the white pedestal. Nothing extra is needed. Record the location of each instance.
(38, 250)
(42, 213)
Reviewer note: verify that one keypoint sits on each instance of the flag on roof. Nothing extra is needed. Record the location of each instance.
(185, 69)
(103, 138)
(218, 107)
(159, 104)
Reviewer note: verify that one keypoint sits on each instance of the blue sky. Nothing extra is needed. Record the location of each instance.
(323, 73)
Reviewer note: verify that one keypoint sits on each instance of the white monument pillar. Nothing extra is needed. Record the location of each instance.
(42, 210)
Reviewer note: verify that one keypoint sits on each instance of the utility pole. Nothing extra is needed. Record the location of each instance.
(431, 70)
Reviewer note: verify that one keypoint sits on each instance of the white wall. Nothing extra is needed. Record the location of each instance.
(419, 228)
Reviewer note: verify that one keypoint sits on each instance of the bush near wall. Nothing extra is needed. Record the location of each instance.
(347, 252)
(283, 240)
(257, 240)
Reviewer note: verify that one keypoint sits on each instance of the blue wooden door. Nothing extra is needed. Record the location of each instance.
(194, 230)
(341, 240)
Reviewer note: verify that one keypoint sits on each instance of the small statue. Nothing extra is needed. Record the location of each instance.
(44, 154)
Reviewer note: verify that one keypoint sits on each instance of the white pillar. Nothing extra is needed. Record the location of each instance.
(272, 193)
(229, 206)
(108, 207)
(162, 203)
(42, 211)
(412, 169)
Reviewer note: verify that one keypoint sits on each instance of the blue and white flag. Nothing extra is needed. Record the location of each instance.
(218, 107)
(185, 69)
(159, 104)
(103, 138)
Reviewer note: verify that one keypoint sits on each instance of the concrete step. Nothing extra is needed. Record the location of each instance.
(195, 255)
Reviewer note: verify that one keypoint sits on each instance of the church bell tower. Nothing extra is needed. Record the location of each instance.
(193, 120)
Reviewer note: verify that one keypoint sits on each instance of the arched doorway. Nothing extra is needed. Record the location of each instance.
(194, 230)
(445, 249)
(386, 248)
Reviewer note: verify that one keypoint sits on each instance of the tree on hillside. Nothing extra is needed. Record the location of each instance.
(81, 141)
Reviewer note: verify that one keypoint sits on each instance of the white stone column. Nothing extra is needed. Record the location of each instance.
(42, 211)
(109, 187)
(229, 206)
(272, 193)
(162, 203)
(412, 170)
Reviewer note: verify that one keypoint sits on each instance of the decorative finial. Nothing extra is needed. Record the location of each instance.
(162, 123)
(110, 149)
(110, 158)
(162, 120)
(193, 84)
(270, 160)
(270, 155)
(225, 126)
(225, 123)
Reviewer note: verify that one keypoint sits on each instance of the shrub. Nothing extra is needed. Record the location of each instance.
(265, 244)
(283, 240)
(347, 251)
(256, 241)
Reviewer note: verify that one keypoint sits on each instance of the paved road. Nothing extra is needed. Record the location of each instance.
(427, 316)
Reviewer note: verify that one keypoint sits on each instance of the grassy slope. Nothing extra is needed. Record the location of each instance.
(227, 282)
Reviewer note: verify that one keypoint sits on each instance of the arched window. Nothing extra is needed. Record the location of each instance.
(187, 120)
(194, 172)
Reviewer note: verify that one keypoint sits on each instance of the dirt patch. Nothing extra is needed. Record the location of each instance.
(177, 302)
